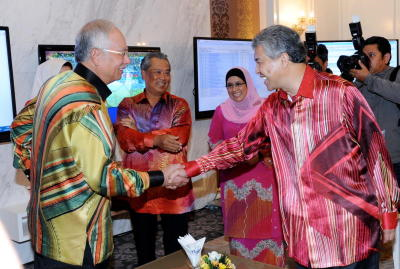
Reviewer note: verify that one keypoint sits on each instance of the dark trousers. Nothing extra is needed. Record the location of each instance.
(42, 262)
(372, 262)
(145, 230)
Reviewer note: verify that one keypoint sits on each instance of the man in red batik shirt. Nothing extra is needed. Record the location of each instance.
(153, 129)
(336, 185)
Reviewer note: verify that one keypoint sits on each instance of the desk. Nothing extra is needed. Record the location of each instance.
(179, 260)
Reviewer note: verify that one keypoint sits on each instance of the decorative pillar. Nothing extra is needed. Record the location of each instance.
(234, 18)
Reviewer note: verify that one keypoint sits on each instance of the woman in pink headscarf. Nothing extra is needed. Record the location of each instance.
(248, 192)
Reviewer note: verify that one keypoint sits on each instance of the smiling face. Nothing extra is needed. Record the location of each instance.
(268, 68)
(111, 64)
(237, 88)
(157, 77)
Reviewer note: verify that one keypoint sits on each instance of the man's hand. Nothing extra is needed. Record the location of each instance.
(128, 122)
(168, 142)
(175, 176)
(388, 236)
(360, 74)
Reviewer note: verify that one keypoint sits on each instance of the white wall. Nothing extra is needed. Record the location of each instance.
(377, 18)
(333, 17)
(170, 25)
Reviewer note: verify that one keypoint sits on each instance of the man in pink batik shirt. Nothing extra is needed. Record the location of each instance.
(336, 184)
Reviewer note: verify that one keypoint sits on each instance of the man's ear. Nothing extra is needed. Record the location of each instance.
(285, 59)
(144, 74)
(95, 56)
(386, 58)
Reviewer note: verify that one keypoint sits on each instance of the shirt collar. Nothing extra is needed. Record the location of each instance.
(142, 96)
(306, 86)
(93, 79)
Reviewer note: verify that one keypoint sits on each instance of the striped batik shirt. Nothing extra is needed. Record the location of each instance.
(334, 174)
(72, 174)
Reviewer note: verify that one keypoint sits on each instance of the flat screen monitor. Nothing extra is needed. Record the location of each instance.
(336, 48)
(130, 84)
(212, 59)
(7, 99)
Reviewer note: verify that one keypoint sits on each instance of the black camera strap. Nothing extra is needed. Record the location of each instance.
(392, 77)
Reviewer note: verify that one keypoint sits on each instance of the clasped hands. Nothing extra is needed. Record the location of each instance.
(175, 176)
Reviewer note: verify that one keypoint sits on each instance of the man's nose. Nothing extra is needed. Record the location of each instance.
(127, 60)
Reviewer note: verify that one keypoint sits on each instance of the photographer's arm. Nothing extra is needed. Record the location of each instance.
(390, 90)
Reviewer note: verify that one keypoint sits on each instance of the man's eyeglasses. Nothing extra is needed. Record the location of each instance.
(233, 85)
(122, 53)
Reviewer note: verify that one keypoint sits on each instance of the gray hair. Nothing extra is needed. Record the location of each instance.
(145, 64)
(94, 34)
(278, 39)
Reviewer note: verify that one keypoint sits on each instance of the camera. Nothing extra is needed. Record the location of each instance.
(345, 63)
(311, 47)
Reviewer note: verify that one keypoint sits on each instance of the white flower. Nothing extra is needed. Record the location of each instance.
(214, 256)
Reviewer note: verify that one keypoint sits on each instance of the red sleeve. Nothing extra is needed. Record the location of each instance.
(129, 138)
(182, 121)
(234, 150)
(132, 140)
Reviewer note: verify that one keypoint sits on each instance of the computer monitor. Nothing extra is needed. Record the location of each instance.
(130, 84)
(65, 52)
(336, 48)
(213, 57)
(7, 99)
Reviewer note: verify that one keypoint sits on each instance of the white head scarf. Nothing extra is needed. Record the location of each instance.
(45, 71)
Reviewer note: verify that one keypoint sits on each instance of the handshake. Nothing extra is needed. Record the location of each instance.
(175, 176)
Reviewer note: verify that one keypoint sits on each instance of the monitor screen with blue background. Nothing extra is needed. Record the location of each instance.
(7, 98)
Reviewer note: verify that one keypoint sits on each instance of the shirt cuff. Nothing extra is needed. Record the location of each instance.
(389, 221)
(148, 140)
(156, 178)
(192, 169)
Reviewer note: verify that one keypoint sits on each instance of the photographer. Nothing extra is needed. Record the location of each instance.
(381, 89)
(322, 58)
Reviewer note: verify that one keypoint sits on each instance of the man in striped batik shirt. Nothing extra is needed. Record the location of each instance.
(337, 190)
(72, 171)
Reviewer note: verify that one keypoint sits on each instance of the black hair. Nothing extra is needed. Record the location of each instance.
(322, 52)
(382, 43)
(146, 61)
(235, 72)
(67, 64)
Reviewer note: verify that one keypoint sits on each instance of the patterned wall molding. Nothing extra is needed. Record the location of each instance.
(234, 18)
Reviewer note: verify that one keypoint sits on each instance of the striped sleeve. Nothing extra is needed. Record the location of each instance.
(368, 134)
(105, 176)
(21, 136)
(234, 150)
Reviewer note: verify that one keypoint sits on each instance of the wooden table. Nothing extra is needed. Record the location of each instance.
(179, 260)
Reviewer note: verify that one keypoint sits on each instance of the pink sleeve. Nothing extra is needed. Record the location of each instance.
(216, 133)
